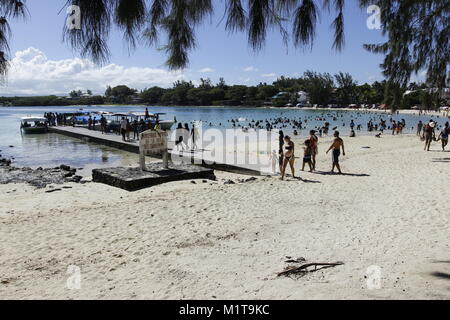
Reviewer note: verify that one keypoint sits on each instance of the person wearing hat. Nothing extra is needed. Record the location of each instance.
(428, 132)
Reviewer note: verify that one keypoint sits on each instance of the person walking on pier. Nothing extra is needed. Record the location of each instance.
(123, 128)
(103, 124)
(129, 129)
(135, 126)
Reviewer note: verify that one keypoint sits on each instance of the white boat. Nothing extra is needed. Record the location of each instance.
(163, 124)
(33, 125)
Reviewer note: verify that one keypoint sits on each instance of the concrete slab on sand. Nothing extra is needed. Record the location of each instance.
(133, 178)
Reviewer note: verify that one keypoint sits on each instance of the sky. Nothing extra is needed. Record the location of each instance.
(42, 64)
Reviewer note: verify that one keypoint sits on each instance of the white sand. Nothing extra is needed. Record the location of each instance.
(210, 240)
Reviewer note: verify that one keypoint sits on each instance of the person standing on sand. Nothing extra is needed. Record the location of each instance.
(280, 149)
(444, 135)
(307, 156)
(394, 127)
(336, 147)
(428, 132)
(147, 115)
(314, 141)
(419, 128)
(288, 156)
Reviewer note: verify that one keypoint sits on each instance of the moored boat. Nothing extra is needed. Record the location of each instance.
(34, 125)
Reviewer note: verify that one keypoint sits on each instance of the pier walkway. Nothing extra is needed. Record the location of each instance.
(115, 141)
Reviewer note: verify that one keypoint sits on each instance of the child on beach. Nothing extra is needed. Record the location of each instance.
(307, 156)
(274, 161)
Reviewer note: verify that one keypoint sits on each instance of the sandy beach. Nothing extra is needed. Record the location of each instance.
(208, 240)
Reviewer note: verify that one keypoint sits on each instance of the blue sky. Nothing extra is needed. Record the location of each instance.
(218, 54)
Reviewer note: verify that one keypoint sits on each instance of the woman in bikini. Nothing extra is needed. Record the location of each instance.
(288, 156)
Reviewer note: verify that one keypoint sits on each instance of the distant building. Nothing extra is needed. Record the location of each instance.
(302, 97)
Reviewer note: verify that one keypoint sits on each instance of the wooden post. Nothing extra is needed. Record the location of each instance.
(165, 156)
(141, 153)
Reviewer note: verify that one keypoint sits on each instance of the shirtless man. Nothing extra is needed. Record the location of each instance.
(336, 146)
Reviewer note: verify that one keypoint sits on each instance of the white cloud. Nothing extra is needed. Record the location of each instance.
(269, 75)
(245, 80)
(250, 69)
(206, 70)
(32, 73)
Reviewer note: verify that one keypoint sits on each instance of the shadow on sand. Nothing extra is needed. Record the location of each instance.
(341, 174)
(441, 275)
(289, 178)
(440, 160)
(307, 180)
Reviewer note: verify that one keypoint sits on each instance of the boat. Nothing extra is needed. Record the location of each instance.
(163, 124)
(152, 118)
(34, 125)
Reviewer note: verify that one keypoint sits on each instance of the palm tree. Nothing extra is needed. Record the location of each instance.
(417, 31)
(13, 9)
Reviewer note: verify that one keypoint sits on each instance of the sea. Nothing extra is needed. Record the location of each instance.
(50, 150)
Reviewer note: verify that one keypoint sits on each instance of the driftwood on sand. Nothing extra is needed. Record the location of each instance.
(304, 268)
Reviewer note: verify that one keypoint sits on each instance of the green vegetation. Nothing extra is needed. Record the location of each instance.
(323, 89)
(51, 101)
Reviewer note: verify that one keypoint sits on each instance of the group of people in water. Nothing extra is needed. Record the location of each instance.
(286, 152)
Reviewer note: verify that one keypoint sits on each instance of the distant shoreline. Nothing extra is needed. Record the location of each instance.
(401, 111)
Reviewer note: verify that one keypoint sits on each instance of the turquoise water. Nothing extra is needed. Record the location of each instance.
(49, 150)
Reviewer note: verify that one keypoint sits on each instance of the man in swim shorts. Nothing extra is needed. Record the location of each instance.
(336, 147)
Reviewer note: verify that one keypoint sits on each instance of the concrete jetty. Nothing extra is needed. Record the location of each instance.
(132, 179)
(115, 141)
(110, 139)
